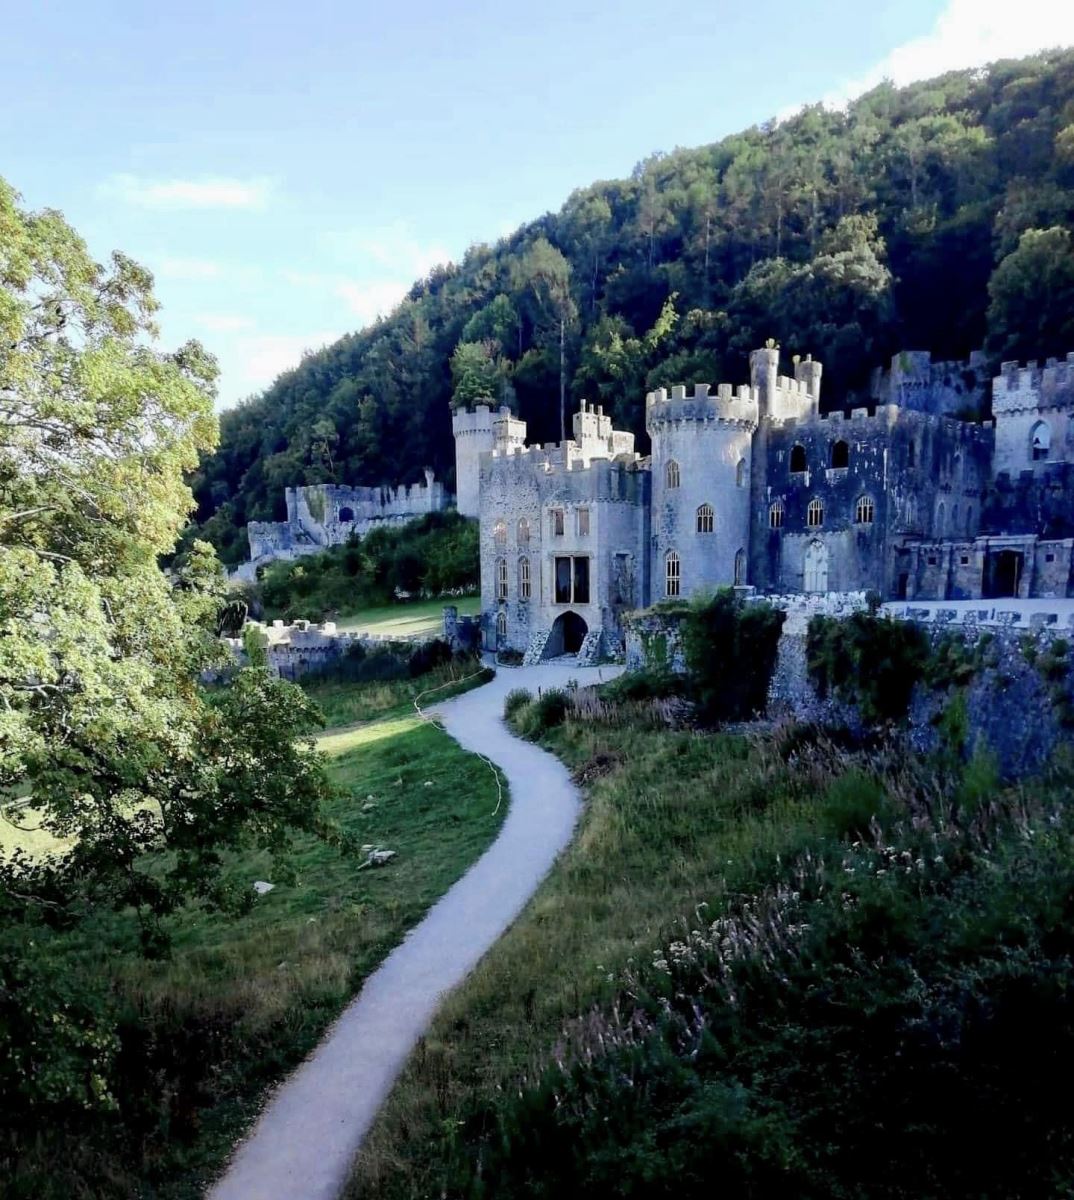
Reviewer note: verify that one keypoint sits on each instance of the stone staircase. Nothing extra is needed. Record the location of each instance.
(535, 650)
(589, 651)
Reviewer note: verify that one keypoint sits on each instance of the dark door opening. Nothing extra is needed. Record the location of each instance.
(1003, 575)
(568, 633)
(903, 585)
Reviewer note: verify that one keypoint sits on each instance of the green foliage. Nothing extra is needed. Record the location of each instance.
(730, 650)
(515, 699)
(644, 685)
(433, 555)
(537, 715)
(870, 662)
(845, 234)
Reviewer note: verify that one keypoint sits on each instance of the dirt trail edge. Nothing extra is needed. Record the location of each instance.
(304, 1142)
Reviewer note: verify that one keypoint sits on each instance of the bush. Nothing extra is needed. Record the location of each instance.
(730, 649)
(515, 699)
(509, 657)
(427, 656)
(644, 685)
(550, 709)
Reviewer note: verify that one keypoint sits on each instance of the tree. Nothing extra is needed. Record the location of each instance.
(478, 373)
(547, 275)
(106, 731)
(1032, 297)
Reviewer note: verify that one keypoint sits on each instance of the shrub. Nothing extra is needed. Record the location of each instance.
(730, 649)
(515, 699)
(550, 709)
(427, 656)
(644, 685)
(509, 657)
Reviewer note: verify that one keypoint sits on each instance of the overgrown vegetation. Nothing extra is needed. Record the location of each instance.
(936, 215)
(434, 555)
(771, 962)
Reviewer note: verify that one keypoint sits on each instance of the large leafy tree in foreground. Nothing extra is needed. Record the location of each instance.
(108, 739)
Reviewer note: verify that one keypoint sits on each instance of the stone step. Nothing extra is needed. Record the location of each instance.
(535, 650)
(589, 651)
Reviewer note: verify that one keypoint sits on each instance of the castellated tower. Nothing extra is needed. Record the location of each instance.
(701, 467)
(477, 432)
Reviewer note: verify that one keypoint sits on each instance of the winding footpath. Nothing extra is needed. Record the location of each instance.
(304, 1142)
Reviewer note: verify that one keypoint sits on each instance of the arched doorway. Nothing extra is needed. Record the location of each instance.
(816, 567)
(1003, 573)
(346, 514)
(568, 633)
(740, 568)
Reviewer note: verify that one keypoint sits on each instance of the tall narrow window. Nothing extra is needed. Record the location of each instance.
(798, 459)
(840, 455)
(557, 522)
(501, 628)
(815, 514)
(740, 568)
(571, 579)
(941, 519)
(911, 453)
(501, 579)
(581, 580)
(706, 519)
(1040, 441)
(499, 533)
(864, 510)
(672, 577)
(671, 474)
(525, 588)
(523, 531)
(582, 519)
(775, 515)
(969, 520)
(740, 473)
(954, 519)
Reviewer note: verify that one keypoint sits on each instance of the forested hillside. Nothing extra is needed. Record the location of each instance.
(936, 216)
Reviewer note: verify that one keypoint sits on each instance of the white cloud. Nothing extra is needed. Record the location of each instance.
(392, 246)
(225, 322)
(366, 299)
(212, 192)
(967, 33)
(188, 268)
(260, 358)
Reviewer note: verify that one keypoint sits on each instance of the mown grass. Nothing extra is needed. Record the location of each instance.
(242, 999)
(673, 821)
(404, 619)
(344, 703)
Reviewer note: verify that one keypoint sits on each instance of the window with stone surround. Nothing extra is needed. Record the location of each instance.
(499, 533)
(740, 473)
(501, 579)
(525, 586)
(571, 581)
(556, 516)
(864, 511)
(798, 459)
(706, 519)
(815, 514)
(1040, 441)
(740, 568)
(672, 476)
(523, 531)
(672, 574)
(581, 516)
(501, 627)
(840, 455)
(775, 515)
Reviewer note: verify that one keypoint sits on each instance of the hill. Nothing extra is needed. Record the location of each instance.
(936, 216)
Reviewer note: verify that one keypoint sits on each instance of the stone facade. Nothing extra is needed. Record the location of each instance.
(754, 485)
(329, 515)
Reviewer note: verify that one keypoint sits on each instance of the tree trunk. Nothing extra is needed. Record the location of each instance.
(562, 379)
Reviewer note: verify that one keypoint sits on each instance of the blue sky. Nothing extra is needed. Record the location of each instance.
(287, 169)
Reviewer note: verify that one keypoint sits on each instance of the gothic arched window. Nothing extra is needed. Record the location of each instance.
(525, 586)
(740, 568)
(706, 519)
(499, 532)
(775, 515)
(798, 458)
(672, 574)
(840, 455)
(501, 579)
(523, 531)
(1040, 441)
(864, 511)
(672, 476)
(501, 628)
(815, 514)
(740, 473)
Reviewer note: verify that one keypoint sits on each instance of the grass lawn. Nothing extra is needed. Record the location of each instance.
(672, 820)
(401, 620)
(243, 999)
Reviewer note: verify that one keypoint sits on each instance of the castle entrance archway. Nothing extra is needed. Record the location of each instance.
(1003, 573)
(568, 634)
(816, 567)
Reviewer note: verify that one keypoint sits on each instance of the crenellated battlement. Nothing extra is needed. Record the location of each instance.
(1018, 388)
(729, 405)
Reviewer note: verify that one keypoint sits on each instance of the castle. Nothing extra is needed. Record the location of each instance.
(755, 487)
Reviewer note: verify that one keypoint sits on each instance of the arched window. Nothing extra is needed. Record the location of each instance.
(775, 515)
(941, 519)
(525, 587)
(672, 577)
(911, 453)
(1040, 441)
(501, 628)
(864, 511)
(706, 519)
(501, 579)
(499, 533)
(798, 459)
(740, 473)
(740, 568)
(840, 455)
(815, 514)
(671, 474)
(346, 513)
(523, 531)
(954, 520)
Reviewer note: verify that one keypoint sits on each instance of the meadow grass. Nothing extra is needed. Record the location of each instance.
(242, 999)
(409, 617)
(672, 821)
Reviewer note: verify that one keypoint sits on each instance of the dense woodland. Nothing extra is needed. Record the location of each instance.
(936, 216)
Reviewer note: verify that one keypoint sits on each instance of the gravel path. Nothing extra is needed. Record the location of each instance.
(305, 1140)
